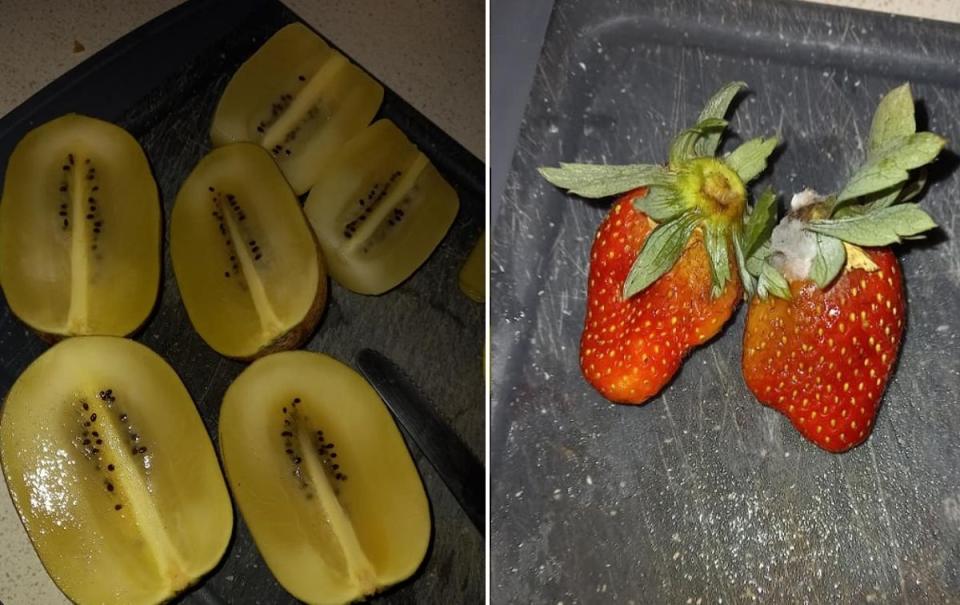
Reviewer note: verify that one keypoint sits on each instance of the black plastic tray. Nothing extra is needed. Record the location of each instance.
(702, 495)
(161, 83)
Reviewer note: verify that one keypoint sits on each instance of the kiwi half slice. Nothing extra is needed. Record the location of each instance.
(247, 264)
(379, 208)
(473, 281)
(299, 99)
(112, 472)
(80, 230)
(322, 477)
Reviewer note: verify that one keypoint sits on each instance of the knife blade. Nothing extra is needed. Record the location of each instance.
(457, 466)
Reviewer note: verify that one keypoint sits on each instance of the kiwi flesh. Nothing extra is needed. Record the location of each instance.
(322, 478)
(299, 99)
(112, 472)
(379, 209)
(248, 267)
(472, 273)
(80, 230)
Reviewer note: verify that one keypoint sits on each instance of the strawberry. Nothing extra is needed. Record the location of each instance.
(631, 347)
(667, 262)
(824, 329)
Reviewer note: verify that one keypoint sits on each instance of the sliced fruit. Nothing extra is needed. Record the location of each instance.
(299, 99)
(379, 208)
(112, 472)
(248, 267)
(80, 230)
(322, 477)
(472, 274)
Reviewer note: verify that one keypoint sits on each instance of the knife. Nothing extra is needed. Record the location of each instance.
(459, 469)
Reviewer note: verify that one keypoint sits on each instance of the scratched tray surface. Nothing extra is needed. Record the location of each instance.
(426, 325)
(702, 494)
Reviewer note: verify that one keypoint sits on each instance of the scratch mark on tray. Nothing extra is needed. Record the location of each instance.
(886, 519)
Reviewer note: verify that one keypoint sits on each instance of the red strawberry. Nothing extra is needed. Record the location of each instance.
(632, 347)
(666, 265)
(823, 358)
(822, 349)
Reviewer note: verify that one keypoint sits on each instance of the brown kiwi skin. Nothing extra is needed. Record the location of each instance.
(296, 336)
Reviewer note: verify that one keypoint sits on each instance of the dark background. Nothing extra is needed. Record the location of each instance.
(702, 495)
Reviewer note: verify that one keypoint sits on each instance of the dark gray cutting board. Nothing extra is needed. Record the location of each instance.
(702, 495)
(162, 83)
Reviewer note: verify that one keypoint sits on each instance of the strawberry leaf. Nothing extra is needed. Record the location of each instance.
(683, 147)
(749, 283)
(877, 227)
(716, 107)
(893, 119)
(661, 204)
(754, 263)
(716, 242)
(660, 251)
(771, 282)
(762, 219)
(602, 180)
(828, 260)
(750, 159)
(889, 165)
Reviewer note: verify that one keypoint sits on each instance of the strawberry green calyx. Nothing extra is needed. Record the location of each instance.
(821, 235)
(696, 189)
(709, 186)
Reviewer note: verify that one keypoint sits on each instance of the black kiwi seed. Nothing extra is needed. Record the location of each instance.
(297, 460)
(123, 417)
(289, 451)
(286, 434)
(86, 442)
(110, 467)
(99, 441)
(117, 506)
(86, 423)
(142, 449)
(63, 188)
(86, 406)
(296, 400)
(333, 455)
(301, 78)
(65, 167)
(95, 188)
(96, 434)
(226, 274)
(93, 417)
(109, 486)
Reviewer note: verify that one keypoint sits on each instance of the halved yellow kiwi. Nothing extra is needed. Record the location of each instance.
(322, 477)
(473, 281)
(299, 99)
(248, 267)
(80, 230)
(379, 208)
(113, 473)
